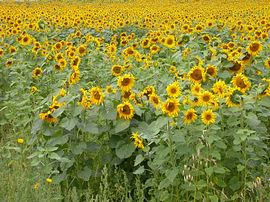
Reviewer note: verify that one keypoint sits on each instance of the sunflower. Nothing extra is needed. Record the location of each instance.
(47, 116)
(75, 62)
(74, 77)
(196, 89)
(97, 97)
(230, 98)
(254, 48)
(205, 98)
(33, 90)
(238, 66)
(126, 95)
(110, 89)
(208, 117)
(138, 141)
(171, 107)
(220, 88)
(154, 49)
(206, 38)
(26, 40)
(129, 51)
(1, 52)
(155, 100)
(174, 90)
(267, 63)
(190, 116)
(169, 41)
(147, 91)
(62, 64)
(37, 72)
(196, 74)
(81, 50)
(125, 110)
(126, 82)
(241, 82)
(116, 70)
(145, 43)
(85, 101)
(212, 71)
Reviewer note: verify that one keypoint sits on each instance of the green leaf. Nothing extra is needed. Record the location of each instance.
(68, 124)
(234, 183)
(79, 148)
(240, 167)
(121, 125)
(219, 170)
(89, 127)
(58, 140)
(164, 184)
(138, 160)
(139, 171)
(85, 174)
(172, 173)
(36, 126)
(213, 198)
(209, 171)
(125, 150)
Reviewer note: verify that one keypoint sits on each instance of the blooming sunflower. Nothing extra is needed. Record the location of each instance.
(155, 100)
(212, 71)
(33, 90)
(241, 82)
(267, 63)
(126, 82)
(171, 107)
(174, 90)
(190, 116)
(116, 70)
(220, 88)
(37, 72)
(206, 98)
(125, 110)
(138, 141)
(169, 41)
(254, 48)
(47, 116)
(81, 50)
(97, 97)
(196, 74)
(196, 89)
(208, 117)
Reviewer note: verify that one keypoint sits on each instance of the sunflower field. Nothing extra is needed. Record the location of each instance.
(135, 100)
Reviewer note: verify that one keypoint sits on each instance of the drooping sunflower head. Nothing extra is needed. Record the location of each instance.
(138, 141)
(171, 107)
(241, 82)
(238, 66)
(126, 82)
(125, 110)
(232, 97)
(174, 90)
(196, 74)
(37, 72)
(254, 48)
(190, 116)
(208, 117)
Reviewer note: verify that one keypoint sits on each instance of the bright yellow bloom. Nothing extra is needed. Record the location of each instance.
(208, 117)
(125, 110)
(138, 141)
(171, 107)
(20, 141)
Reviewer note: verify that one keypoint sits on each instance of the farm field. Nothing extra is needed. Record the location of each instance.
(135, 101)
